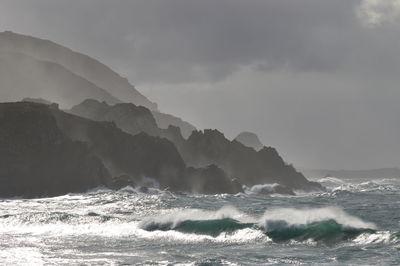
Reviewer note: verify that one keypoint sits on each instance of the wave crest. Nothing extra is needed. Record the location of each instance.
(328, 225)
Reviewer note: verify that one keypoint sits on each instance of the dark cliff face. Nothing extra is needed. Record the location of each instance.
(47, 152)
(211, 180)
(37, 159)
(203, 149)
(238, 161)
(137, 155)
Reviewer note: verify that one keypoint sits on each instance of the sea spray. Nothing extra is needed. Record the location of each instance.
(260, 230)
(328, 225)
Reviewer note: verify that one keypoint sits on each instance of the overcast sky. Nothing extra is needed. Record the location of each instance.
(317, 79)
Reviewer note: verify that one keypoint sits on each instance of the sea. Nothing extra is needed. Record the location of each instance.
(354, 222)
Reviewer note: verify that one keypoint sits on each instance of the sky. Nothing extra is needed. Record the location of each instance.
(317, 79)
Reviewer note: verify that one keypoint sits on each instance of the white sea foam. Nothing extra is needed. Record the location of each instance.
(256, 189)
(136, 229)
(21, 256)
(384, 237)
(293, 216)
(331, 179)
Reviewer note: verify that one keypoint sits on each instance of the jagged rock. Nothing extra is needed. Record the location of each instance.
(45, 151)
(122, 181)
(173, 134)
(37, 100)
(42, 101)
(37, 159)
(247, 165)
(166, 120)
(127, 116)
(137, 155)
(211, 180)
(202, 149)
(250, 139)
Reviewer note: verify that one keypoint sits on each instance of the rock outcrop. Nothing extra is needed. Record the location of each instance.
(127, 116)
(37, 159)
(250, 139)
(202, 149)
(248, 166)
(211, 180)
(166, 120)
(45, 152)
(137, 155)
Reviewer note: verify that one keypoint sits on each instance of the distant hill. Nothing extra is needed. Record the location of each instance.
(24, 76)
(37, 68)
(82, 65)
(250, 139)
(367, 174)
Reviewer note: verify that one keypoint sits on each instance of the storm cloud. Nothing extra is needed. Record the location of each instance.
(318, 79)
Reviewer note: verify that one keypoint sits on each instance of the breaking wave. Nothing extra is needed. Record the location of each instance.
(327, 225)
(376, 185)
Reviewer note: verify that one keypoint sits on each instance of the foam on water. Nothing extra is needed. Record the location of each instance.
(106, 227)
(292, 216)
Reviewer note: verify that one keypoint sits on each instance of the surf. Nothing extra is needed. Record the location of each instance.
(326, 225)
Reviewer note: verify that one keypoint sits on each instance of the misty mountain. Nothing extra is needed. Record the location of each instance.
(24, 76)
(47, 152)
(132, 139)
(82, 65)
(37, 68)
(203, 148)
(249, 139)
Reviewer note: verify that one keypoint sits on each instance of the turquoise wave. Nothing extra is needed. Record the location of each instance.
(328, 231)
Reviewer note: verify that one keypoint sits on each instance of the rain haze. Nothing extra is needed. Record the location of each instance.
(317, 79)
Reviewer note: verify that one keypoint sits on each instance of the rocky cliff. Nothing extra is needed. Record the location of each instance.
(127, 116)
(166, 120)
(205, 148)
(37, 159)
(248, 166)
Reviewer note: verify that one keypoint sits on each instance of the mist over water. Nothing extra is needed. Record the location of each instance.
(353, 222)
(316, 79)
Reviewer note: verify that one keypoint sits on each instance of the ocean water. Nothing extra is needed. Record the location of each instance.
(355, 222)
